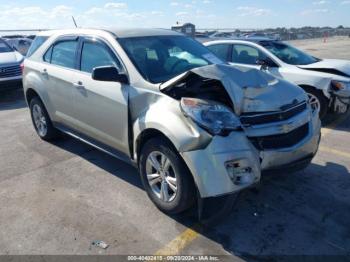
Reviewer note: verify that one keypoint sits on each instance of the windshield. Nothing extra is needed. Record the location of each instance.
(289, 54)
(4, 47)
(161, 58)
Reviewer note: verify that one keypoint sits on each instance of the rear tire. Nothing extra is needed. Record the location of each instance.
(165, 177)
(317, 99)
(41, 120)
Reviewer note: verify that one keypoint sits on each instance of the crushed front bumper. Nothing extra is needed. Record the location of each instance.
(341, 101)
(283, 158)
(230, 164)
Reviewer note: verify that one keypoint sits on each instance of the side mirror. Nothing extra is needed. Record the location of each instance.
(265, 63)
(109, 74)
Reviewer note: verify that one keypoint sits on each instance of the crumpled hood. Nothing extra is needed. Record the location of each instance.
(10, 57)
(250, 90)
(342, 66)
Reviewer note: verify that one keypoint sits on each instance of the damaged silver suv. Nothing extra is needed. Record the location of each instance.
(193, 125)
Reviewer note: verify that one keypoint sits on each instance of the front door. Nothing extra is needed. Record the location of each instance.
(249, 56)
(101, 108)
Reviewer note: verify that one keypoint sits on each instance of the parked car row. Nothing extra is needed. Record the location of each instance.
(10, 66)
(195, 126)
(20, 44)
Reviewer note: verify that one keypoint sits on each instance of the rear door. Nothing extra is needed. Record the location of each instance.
(223, 51)
(57, 71)
(101, 108)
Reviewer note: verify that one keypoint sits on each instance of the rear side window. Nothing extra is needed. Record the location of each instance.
(38, 41)
(220, 50)
(63, 53)
(95, 55)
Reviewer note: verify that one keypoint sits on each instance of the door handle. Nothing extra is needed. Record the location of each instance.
(79, 85)
(44, 72)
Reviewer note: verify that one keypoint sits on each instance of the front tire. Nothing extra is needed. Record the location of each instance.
(165, 177)
(41, 120)
(317, 100)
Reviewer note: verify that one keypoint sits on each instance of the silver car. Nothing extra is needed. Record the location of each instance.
(194, 126)
(10, 66)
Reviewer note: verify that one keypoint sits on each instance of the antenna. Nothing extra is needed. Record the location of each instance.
(75, 23)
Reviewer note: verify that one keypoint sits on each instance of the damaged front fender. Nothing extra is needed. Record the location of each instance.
(154, 110)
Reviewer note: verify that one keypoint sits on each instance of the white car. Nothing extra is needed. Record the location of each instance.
(327, 81)
(10, 66)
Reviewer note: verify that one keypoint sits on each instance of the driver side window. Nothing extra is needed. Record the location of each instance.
(94, 55)
(244, 54)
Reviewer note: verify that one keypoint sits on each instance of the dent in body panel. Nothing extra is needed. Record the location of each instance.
(149, 109)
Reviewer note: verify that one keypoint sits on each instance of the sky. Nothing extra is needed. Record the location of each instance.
(213, 14)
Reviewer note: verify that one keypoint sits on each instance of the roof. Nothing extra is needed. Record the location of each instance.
(256, 40)
(141, 32)
(118, 32)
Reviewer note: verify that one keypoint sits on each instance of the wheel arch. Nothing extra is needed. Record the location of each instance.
(30, 93)
(321, 91)
(145, 136)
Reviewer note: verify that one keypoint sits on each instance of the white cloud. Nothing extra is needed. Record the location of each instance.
(320, 2)
(35, 17)
(253, 11)
(182, 13)
(315, 11)
(345, 2)
(116, 5)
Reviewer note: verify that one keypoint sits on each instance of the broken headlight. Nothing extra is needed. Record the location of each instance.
(340, 85)
(214, 117)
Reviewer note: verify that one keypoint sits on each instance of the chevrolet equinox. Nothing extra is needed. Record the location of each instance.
(193, 125)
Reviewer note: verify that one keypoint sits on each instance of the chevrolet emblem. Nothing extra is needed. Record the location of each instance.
(286, 128)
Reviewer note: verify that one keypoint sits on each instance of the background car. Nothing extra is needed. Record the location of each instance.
(20, 44)
(10, 66)
(327, 81)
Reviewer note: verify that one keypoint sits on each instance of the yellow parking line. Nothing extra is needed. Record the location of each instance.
(179, 243)
(334, 151)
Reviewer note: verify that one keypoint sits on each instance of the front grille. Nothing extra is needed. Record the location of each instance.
(10, 71)
(280, 141)
(265, 118)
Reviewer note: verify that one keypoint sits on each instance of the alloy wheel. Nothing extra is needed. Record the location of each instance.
(161, 176)
(39, 120)
(314, 102)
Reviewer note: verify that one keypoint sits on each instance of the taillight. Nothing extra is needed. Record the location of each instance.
(22, 67)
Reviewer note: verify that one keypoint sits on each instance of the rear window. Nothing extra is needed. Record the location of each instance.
(38, 41)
